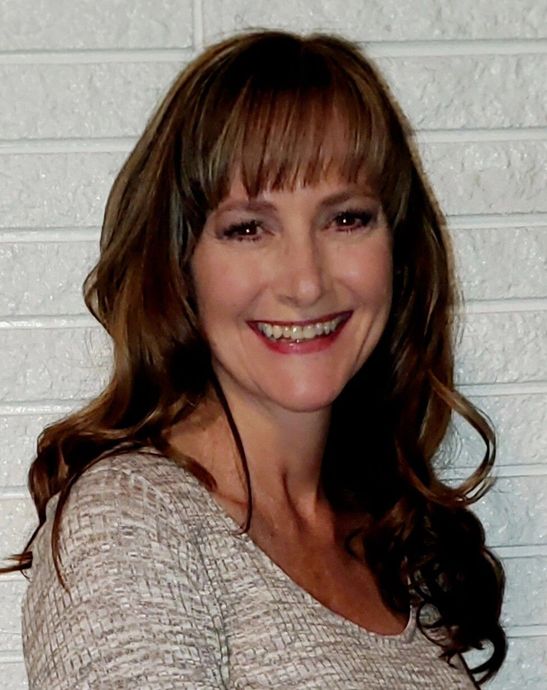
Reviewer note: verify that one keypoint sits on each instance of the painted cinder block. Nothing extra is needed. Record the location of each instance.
(526, 665)
(15, 671)
(91, 24)
(12, 588)
(513, 512)
(525, 605)
(384, 20)
(521, 424)
(469, 91)
(116, 99)
(44, 277)
(17, 525)
(488, 177)
(70, 189)
(501, 263)
(89, 100)
(56, 189)
(19, 433)
(503, 348)
(59, 363)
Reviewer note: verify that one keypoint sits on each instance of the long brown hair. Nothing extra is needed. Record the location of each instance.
(258, 104)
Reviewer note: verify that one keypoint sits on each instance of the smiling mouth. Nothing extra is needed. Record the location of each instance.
(298, 332)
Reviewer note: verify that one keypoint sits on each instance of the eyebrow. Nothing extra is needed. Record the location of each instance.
(260, 205)
(346, 195)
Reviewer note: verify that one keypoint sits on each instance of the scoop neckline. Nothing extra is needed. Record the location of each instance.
(404, 637)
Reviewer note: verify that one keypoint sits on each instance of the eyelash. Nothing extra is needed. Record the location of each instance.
(365, 218)
(237, 231)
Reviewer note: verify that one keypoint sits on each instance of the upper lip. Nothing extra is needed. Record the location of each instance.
(307, 322)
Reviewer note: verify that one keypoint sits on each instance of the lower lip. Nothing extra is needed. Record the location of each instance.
(287, 347)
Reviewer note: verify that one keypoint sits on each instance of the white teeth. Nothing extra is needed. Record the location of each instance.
(298, 333)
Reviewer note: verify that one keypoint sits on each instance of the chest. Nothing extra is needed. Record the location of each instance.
(313, 635)
(331, 576)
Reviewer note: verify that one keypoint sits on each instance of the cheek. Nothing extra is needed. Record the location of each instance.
(370, 273)
(224, 285)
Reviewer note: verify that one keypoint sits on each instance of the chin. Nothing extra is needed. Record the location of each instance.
(305, 400)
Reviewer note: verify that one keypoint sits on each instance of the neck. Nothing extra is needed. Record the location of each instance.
(284, 451)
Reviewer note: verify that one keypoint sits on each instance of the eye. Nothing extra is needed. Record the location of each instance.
(347, 221)
(242, 232)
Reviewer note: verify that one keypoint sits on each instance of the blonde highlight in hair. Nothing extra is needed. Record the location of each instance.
(276, 110)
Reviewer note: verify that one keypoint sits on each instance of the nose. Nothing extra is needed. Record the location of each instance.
(302, 275)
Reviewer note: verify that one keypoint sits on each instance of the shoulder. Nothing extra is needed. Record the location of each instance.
(127, 490)
(138, 483)
(136, 506)
(135, 584)
(145, 465)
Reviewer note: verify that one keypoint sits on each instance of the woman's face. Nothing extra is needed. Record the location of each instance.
(293, 290)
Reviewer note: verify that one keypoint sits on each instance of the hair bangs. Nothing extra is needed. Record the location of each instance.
(288, 127)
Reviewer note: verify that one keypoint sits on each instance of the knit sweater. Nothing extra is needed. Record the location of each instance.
(162, 594)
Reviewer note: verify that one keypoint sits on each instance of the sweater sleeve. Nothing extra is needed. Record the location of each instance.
(139, 611)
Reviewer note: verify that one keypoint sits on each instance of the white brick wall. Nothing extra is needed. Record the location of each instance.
(77, 82)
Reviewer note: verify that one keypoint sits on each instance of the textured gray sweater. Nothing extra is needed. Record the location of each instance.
(163, 595)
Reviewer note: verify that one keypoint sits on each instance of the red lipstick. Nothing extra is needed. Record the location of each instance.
(293, 347)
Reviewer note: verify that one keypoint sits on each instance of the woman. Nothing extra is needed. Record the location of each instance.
(277, 282)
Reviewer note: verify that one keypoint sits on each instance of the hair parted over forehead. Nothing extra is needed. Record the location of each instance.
(281, 110)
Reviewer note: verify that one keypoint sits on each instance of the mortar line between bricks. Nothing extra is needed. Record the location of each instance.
(480, 135)
(479, 390)
(527, 631)
(13, 493)
(124, 144)
(496, 220)
(100, 56)
(68, 145)
(29, 236)
(521, 551)
(512, 471)
(12, 577)
(504, 306)
(387, 48)
(440, 48)
(17, 408)
(47, 321)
